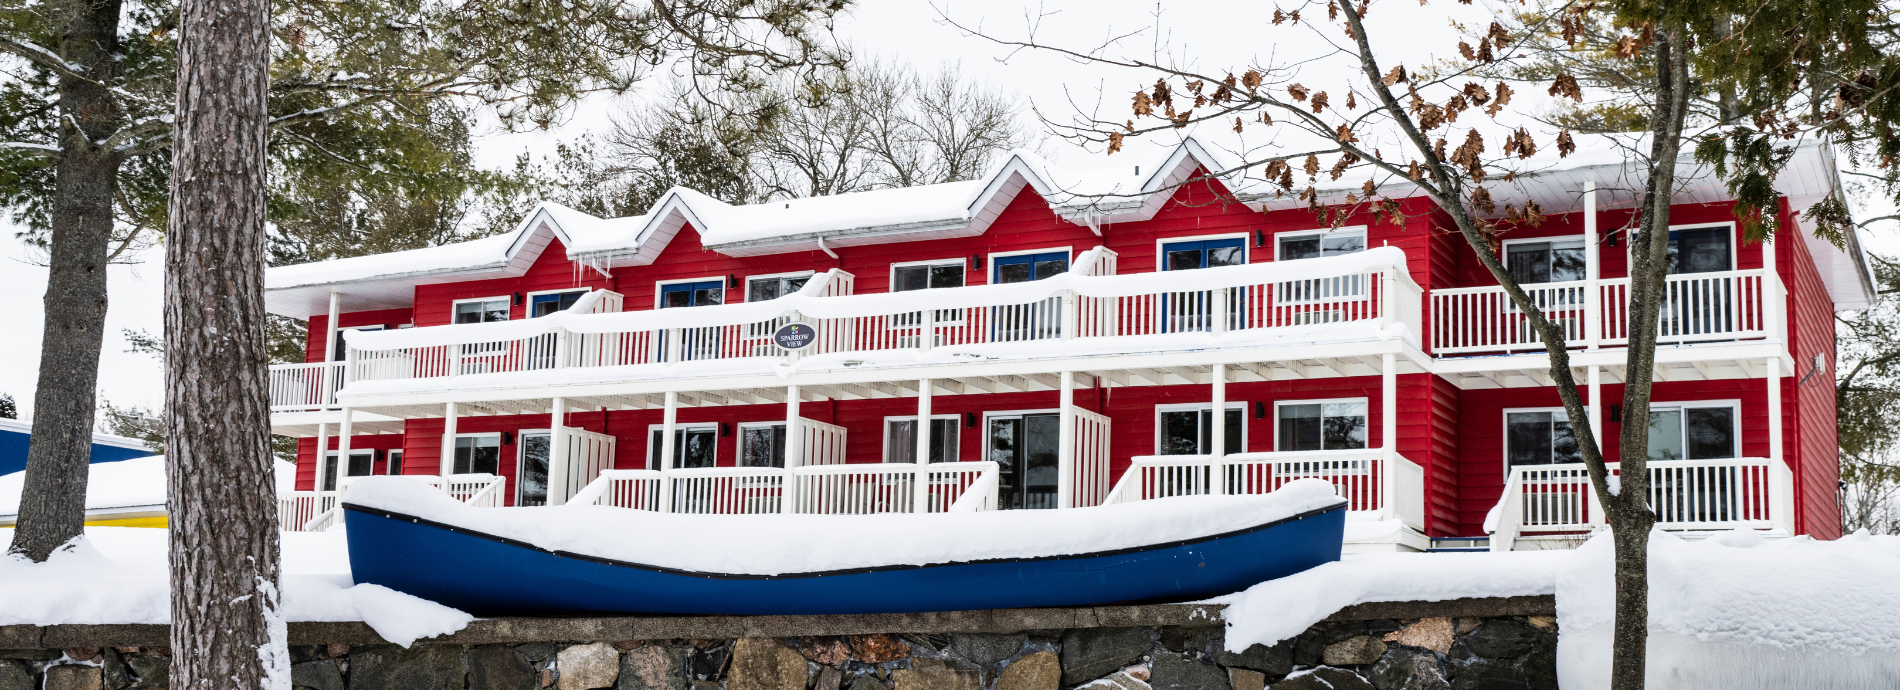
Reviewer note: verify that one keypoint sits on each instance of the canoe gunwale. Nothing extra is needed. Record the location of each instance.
(393, 515)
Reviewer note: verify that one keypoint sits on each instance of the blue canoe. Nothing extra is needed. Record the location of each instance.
(492, 575)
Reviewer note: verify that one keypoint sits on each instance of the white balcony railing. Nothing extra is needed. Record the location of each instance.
(1369, 483)
(1696, 307)
(1371, 287)
(860, 489)
(1748, 493)
(304, 387)
(316, 511)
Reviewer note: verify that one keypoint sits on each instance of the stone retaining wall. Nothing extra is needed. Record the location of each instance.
(1479, 644)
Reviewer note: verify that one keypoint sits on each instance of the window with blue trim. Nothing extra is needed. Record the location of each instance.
(543, 305)
(1179, 256)
(1023, 268)
(1192, 311)
(699, 294)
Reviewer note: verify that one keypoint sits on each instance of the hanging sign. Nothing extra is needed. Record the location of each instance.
(795, 336)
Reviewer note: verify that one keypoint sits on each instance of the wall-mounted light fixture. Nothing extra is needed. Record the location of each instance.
(969, 420)
(507, 438)
(1259, 410)
(517, 298)
(725, 430)
(976, 262)
(1616, 413)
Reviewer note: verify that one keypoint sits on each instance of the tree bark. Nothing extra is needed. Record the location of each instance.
(53, 501)
(227, 627)
(1630, 516)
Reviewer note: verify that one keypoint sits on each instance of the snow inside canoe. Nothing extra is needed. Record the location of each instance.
(588, 559)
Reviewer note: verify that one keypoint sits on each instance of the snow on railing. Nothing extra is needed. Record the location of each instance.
(316, 511)
(860, 489)
(1372, 285)
(1748, 493)
(1362, 477)
(1725, 305)
(300, 387)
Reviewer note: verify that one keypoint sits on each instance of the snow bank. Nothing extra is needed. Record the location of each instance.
(1738, 612)
(771, 545)
(123, 484)
(807, 303)
(1279, 609)
(119, 575)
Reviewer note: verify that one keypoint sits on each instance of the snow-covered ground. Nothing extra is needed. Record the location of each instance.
(1733, 611)
(119, 575)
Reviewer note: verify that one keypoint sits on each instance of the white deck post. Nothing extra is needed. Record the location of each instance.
(1596, 404)
(923, 445)
(1065, 444)
(1773, 305)
(447, 464)
(927, 330)
(323, 456)
(668, 421)
(557, 453)
(1070, 317)
(1217, 451)
(1218, 320)
(1592, 272)
(329, 354)
(1389, 434)
(794, 446)
(1781, 492)
(343, 449)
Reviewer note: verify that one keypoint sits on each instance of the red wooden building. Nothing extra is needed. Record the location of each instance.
(1069, 337)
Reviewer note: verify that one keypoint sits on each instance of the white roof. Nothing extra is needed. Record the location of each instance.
(965, 209)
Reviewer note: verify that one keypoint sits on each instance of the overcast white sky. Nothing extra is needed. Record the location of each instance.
(1208, 35)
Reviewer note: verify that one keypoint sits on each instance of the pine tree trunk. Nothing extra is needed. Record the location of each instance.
(227, 628)
(53, 502)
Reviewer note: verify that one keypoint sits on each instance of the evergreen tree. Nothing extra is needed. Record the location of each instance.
(357, 90)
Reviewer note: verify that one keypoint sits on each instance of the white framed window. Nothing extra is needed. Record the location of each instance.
(1336, 424)
(694, 445)
(927, 275)
(532, 455)
(342, 343)
(1025, 445)
(544, 302)
(478, 453)
(1188, 428)
(1313, 244)
(394, 465)
(900, 438)
(1201, 251)
(1696, 247)
(481, 310)
(1539, 436)
(761, 444)
(1700, 430)
(770, 287)
(362, 464)
(1536, 260)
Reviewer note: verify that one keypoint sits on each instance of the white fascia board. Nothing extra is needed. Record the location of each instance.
(1617, 357)
(1410, 358)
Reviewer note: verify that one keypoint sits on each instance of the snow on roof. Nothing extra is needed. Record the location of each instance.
(960, 209)
(124, 484)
